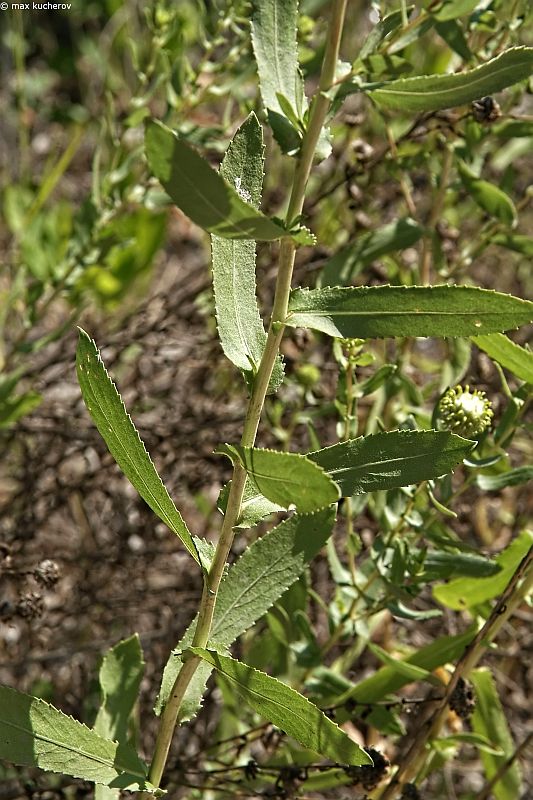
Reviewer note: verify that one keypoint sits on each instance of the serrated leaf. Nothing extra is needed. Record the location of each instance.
(276, 50)
(487, 196)
(35, 734)
(436, 92)
(379, 311)
(288, 479)
(254, 507)
(348, 262)
(464, 593)
(257, 579)
(240, 327)
(391, 459)
(107, 410)
(286, 708)
(120, 679)
(200, 192)
(489, 721)
(513, 477)
(500, 348)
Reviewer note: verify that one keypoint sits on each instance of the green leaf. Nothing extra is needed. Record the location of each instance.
(276, 51)
(464, 593)
(14, 408)
(387, 680)
(380, 31)
(120, 678)
(453, 35)
(481, 742)
(489, 721)
(404, 668)
(288, 479)
(439, 564)
(240, 326)
(349, 261)
(258, 578)
(451, 9)
(379, 311)
(391, 459)
(107, 410)
(513, 477)
(254, 506)
(436, 92)
(500, 348)
(286, 708)
(35, 734)
(488, 197)
(517, 242)
(200, 192)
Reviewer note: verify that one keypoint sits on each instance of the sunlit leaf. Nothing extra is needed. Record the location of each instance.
(107, 410)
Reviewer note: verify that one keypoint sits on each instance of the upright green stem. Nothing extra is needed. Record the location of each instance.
(317, 115)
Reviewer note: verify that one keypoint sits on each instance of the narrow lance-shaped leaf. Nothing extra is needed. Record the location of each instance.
(391, 459)
(435, 92)
(287, 709)
(513, 477)
(288, 479)
(119, 678)
(490, 198)
(107, 410)
(276, 50)
(240, 326)
(379, 311)
(35, 734)
(258, 578)
(348, 262)
(489, 720)
(516, 359)
(462, 593)
(200, 192)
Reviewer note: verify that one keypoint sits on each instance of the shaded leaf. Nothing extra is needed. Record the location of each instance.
(451, 9)
(468, 592)
(488, 720)
(439, 564)
(410, 671)
(107, 410)
(240, 326)
(120, 679)
(391, 459)
(500, 348)
(513, 477)
(287, 479)
(379, 311)
(348, 262)
(286, 708)
(254, 506)
(200, 192)
(258, 578)
(35, 734)
(276, 51)
(488, 197)
(436, 92)
(380, 31)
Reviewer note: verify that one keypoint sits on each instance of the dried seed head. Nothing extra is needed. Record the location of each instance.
(465, 412)
(47, 573)
(30, 606)
(463, 699)
(369, 776)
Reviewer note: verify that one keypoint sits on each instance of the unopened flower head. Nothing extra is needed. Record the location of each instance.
(465, 412)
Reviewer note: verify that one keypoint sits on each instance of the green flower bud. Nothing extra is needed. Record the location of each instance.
(465, 412)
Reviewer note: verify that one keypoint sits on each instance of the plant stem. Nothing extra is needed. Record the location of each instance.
(517, 589)
(317, 115)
